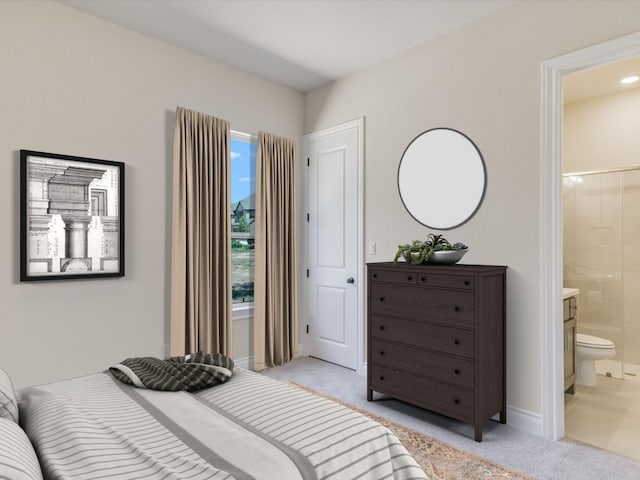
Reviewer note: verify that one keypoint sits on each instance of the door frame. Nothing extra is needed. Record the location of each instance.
(551, 103)
(358, 126)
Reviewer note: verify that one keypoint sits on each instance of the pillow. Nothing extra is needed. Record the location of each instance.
(18, 460)
(8, 403)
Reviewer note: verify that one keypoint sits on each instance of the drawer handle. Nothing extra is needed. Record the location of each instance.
(457, 309)
(382, 299)
(456, 401)
(456, 342)
(456, 371)
(381, 327)
(375, 275)
(381, 377)
(466, 282)
(409, 278)
(381, 352)
(423, 279)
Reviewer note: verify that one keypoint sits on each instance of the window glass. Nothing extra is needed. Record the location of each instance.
(243, 200)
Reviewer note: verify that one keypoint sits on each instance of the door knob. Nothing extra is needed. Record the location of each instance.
(351, 280)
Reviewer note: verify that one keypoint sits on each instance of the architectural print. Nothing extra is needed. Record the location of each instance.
(72, 217)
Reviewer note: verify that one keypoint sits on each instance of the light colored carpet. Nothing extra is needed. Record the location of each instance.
(503, 444)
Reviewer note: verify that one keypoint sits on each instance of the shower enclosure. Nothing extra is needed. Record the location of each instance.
(601, 250)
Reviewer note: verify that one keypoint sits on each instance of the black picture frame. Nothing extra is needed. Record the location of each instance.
(71, 217)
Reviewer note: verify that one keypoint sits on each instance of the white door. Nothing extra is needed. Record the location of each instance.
(334, 228)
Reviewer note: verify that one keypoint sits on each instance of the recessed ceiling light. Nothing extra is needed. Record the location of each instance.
(630, 79)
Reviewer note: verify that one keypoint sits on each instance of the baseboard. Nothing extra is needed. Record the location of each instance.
(244, 362)
(247, 362)
(525, 420)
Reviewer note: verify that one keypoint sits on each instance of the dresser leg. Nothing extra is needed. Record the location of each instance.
(503, 416)
(369, 395)
(478, 432)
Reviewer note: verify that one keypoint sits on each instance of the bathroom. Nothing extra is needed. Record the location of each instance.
(601, 253)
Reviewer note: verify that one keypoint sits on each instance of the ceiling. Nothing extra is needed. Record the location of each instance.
(299, 43)
(601, 80)
(306, 43)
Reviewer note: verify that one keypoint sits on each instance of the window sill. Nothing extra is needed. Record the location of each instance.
(242, 311)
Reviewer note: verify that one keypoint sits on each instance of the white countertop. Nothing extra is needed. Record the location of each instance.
(569, 292)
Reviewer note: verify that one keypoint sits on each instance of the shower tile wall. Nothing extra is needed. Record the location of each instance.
(602, 259)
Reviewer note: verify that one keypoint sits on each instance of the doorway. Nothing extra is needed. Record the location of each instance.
(601, 239)
(552, 74)
(334, 270)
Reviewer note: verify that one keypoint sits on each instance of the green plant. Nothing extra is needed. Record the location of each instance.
(244, 225)
(415, 252)
(418, 252)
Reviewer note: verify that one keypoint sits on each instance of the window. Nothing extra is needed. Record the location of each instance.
(243, 208)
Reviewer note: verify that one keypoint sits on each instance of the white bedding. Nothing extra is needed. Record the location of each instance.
(252, 427)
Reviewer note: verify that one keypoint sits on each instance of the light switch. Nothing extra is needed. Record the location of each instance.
(372, 248)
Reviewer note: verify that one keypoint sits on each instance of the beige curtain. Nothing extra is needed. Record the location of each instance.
(275, 316)
(201, 229)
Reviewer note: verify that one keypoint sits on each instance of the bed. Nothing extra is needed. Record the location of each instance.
(251, 427)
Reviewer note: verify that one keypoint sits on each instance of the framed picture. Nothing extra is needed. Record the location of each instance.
(71, 217)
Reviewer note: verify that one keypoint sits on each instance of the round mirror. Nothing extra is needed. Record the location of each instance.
(442, 178)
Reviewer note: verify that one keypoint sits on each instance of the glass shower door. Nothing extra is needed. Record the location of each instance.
(593, 257)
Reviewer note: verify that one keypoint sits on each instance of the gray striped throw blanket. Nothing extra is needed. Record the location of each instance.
(189, 372)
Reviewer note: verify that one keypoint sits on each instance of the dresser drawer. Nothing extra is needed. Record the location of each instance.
(423, 391)
(423, 304)
(446, 281)
(435, 365)
(393, 276)
(424, 335)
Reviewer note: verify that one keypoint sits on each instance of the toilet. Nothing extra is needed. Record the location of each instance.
(588, 350)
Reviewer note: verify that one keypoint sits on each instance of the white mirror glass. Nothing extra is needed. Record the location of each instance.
(441, 178)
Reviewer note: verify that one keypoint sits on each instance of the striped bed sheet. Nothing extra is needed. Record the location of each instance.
(252, 427)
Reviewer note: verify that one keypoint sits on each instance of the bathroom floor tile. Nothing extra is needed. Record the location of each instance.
(571, 401)
(606, 416)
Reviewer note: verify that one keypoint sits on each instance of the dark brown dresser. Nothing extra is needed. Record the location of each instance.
(436, 338)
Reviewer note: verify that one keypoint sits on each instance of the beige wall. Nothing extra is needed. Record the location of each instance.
(73, 84)
(602, 133)
(483, 80)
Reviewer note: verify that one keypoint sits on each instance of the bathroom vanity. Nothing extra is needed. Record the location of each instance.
(569, 317)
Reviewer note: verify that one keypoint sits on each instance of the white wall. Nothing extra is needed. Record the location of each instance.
(73, 84)
(483, 80)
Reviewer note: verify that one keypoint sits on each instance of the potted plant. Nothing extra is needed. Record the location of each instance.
(435, 249)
